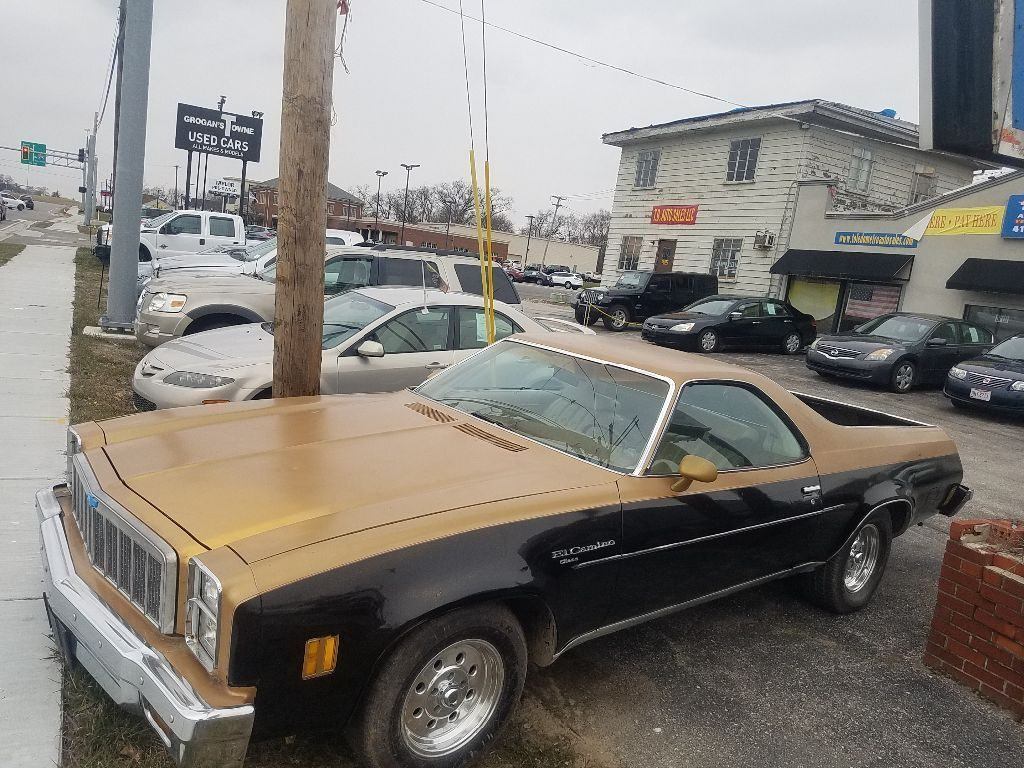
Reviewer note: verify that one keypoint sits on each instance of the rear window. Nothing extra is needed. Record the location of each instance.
(469, 277)
(222, 227)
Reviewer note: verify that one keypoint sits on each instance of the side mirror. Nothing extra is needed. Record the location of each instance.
(370, 348)
(735, 315)
(694, 468)
(936, 342)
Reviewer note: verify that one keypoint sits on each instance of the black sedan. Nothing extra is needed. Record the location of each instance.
(718, 321)
(994, 380)
(900, 350)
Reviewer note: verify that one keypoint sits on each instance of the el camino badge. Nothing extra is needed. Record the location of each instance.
(571, 555)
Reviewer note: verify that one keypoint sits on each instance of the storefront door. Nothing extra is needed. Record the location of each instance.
(666, 256)
(817, 298)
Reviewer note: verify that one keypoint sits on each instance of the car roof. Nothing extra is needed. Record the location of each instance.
(925, 316)
(680, 366)
(402, 252)
(404, 295)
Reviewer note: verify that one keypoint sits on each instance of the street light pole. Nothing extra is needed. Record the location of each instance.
(405, 206)
(376, 216)
(529, 233)
(554, 227)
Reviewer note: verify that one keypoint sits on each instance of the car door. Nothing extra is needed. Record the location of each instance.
(760, 517)
(941, 351)
(182, 234)
(224, 231)
(777, 322)
(974, 341)
(415, 345)
(658, 297)
(742, 324)
(471, 331)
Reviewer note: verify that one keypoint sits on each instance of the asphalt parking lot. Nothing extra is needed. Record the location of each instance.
(763, 678)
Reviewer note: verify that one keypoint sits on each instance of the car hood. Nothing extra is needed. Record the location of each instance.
(1002, 366)
(212, 282)
(214, 351)
(862, 343)
(208, 259)
(269, 476)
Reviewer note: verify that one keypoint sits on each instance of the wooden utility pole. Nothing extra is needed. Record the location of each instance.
(302, 195)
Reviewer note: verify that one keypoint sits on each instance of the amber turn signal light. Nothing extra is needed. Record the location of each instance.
(321, 657)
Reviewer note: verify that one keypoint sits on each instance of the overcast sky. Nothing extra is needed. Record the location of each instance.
(404, 98)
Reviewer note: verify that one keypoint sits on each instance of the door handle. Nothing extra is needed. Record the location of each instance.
(755, 322)
(202, 241)
(163, 245)
(811, 490)
(435, 366)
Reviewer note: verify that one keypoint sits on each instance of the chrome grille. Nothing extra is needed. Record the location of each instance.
(128, 555)
(988, 382)
(837, 352)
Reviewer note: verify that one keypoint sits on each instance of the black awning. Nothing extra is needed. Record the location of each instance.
(852, 265)
(993, 275)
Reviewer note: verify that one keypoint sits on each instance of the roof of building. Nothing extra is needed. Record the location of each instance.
(828, 114)
(333, 192)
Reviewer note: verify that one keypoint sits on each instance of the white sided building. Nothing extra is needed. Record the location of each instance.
(717, 193)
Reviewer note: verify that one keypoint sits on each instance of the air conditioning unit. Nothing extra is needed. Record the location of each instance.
(764, 240)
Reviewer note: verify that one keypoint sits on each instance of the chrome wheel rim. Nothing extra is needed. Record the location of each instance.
(862, 559)
(792, 343)
(619, 318)
(708, 341)
(904, 377)
(451, 700)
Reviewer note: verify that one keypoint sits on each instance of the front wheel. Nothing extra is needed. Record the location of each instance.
(902, 379)
(617, 318)
(792, 344)
(708, 340)
(583, 317)
(847, 582)
(568, 285)
(445, 692)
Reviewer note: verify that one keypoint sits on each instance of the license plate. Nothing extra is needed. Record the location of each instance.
(981, 394)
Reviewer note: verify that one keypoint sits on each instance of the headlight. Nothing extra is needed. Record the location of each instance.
(881, 354)
(197, 380)
(1017, 386)
(74, 446)
(202, 613)
(959, 373)
(682, 327)
(166, 302)
(814, 344)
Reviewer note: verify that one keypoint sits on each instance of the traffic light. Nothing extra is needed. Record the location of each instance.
(26, 154)
(81, 155)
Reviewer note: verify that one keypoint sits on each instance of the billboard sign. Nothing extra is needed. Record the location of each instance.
(1013, 220)
(674, 214)
(226, 188)
(876, 239)
(199, 129)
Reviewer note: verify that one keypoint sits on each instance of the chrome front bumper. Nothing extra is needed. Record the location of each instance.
(134, 675)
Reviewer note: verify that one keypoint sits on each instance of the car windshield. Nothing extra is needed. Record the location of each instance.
(710, 306)
(1011, 349)
(632, 280)
(897, 327)
(346, 315)
(159, 221)
(594, 411)
(253, 252)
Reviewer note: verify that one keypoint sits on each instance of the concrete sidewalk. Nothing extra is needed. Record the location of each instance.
(36, 291)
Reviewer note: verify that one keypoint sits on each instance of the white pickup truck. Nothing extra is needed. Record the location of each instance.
(189, 232)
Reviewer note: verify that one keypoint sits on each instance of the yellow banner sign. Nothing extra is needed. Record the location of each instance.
(987, 220)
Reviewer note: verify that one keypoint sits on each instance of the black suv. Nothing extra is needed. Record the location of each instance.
(639, 295)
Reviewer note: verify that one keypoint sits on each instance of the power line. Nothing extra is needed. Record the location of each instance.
(110, 69)
(586, 58)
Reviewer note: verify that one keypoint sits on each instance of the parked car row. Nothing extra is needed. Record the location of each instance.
(12, 201)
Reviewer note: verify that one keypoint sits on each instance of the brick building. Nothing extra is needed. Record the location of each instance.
(343, 208)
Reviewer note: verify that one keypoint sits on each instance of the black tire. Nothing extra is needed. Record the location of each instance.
(792, 344)
(21, 207)
(617, 318)
(212, 323)
(568, 286)
(828, 585)
(378, 732)
(583, 318)
(958, 404)
(903, 376)
(708, 340)
(144, 254)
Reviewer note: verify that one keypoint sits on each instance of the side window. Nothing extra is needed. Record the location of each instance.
(469, 279)
(222, 227)
(945, 331)
(750, 309)
(473, 328)
(972, 334)
(731, 426)
(415, 332)
(660, 284)
(392, 271)
(183, 225)
(345, 274)
(775, 309)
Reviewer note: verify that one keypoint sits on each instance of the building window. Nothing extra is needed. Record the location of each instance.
(647, 167)
(629, 254)
(925, 185)
(743, 159)
(860, 170)
(725, 256)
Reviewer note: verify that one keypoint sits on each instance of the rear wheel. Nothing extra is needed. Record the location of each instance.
(617, 318)
(792, 344)
(901, 380)
(708, 340)
(568, 285)
(847, 582)
(445, 691)
(210, 323)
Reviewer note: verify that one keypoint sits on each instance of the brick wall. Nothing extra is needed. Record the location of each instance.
(977, 631)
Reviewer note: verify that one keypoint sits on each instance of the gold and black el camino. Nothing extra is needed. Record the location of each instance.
(388, 564)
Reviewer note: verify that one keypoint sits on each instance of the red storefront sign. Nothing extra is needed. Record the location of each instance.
(674, 214)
